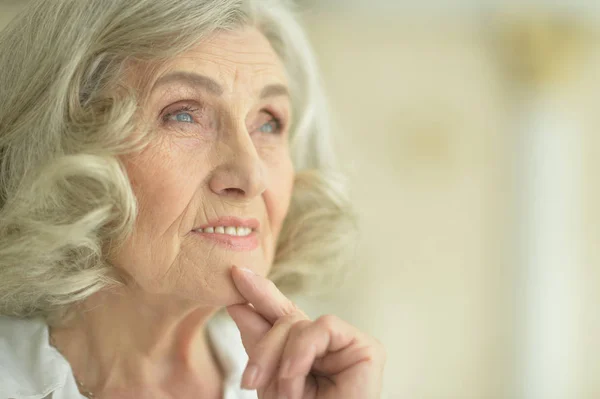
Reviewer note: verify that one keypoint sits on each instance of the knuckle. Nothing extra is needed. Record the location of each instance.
(288, 319)
(381, 351)
(329, 322)
(376, 351)
(255, 354)
(291, 309)
(299, 326)
(370, 354)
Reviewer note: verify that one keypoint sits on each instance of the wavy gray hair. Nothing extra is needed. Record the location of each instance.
(67, 112)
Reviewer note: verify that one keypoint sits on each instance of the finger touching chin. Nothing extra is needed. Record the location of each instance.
(236, 297)
(219, 289)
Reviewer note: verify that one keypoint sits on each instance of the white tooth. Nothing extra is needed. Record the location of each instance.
(248, 231)
(241, 231)
(231, 231)
(199, 230)
(209, 230)
(220, 230)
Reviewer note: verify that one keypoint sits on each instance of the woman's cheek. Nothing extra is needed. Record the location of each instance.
(185, 144)
(281, 193)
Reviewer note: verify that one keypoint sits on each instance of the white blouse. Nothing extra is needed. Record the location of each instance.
(30, 368)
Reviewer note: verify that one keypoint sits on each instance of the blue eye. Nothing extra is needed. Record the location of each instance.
(273, 126)
(267, 127)
(184, 117)
(181, 115)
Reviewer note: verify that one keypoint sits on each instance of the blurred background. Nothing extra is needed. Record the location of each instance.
(469, 133)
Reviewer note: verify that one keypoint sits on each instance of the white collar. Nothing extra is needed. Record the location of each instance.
(30, 368)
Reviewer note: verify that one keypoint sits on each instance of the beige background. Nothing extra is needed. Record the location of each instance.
(428, 110)
(425, 138)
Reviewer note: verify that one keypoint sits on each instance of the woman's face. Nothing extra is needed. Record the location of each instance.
(214, 185)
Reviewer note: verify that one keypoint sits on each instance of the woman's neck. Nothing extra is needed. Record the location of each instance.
(122, 344)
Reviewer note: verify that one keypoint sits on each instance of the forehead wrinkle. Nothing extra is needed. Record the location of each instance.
(273, 68)
(234, 71)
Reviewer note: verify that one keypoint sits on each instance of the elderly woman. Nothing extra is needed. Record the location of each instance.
(159, 159)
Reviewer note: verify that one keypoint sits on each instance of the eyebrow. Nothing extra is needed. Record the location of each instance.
(209, 84)
(189, 78)
(274, 90)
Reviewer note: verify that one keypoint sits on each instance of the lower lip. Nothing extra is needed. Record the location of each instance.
(233, 243)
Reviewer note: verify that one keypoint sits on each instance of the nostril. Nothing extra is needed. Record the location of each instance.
(234, 191)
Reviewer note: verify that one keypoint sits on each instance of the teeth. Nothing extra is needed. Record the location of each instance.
(243, 231)
(229, 230)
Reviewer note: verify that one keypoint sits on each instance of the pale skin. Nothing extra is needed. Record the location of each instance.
(220, 150)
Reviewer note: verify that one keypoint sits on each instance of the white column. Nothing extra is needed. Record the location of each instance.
(549, 300)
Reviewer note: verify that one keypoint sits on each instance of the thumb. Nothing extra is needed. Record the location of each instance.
(252, 326)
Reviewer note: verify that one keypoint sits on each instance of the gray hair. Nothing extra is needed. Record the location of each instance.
(67, 113)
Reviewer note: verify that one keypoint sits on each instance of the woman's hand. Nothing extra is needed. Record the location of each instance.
(292, 357)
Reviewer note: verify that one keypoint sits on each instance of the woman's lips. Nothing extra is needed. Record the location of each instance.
(234, 243)
(232, 233)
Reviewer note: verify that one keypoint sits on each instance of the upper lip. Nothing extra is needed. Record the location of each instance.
(252, 223)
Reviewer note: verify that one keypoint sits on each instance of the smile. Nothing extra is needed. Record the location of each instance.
(232, 233)
(227, 230)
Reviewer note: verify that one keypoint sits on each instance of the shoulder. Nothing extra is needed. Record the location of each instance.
(29, 367)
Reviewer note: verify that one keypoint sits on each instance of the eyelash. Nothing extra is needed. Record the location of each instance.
(279, 125)
(185, 108)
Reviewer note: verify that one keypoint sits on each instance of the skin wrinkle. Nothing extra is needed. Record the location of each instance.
(180, 272)
(176, 225)
(194, 82)
(174, 264)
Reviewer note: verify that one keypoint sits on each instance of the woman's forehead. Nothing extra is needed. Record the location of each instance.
(233, 58)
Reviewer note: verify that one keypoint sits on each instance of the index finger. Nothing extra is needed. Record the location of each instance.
(264, 296)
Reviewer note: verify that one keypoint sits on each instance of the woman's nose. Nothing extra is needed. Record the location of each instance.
(240, 174)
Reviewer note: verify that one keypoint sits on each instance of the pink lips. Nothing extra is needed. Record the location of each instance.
(234, 243)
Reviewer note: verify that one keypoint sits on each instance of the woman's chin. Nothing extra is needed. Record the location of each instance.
(228, 294)
(231, 297)
(219, 292)
(212, 284)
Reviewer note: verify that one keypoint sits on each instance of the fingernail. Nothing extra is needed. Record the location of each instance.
(285, 369)
(248, 271)
(250, 377)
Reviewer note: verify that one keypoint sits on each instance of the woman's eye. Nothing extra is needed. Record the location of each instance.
(182, 114)
(268, 127)
(271, 126)
(184, 117)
